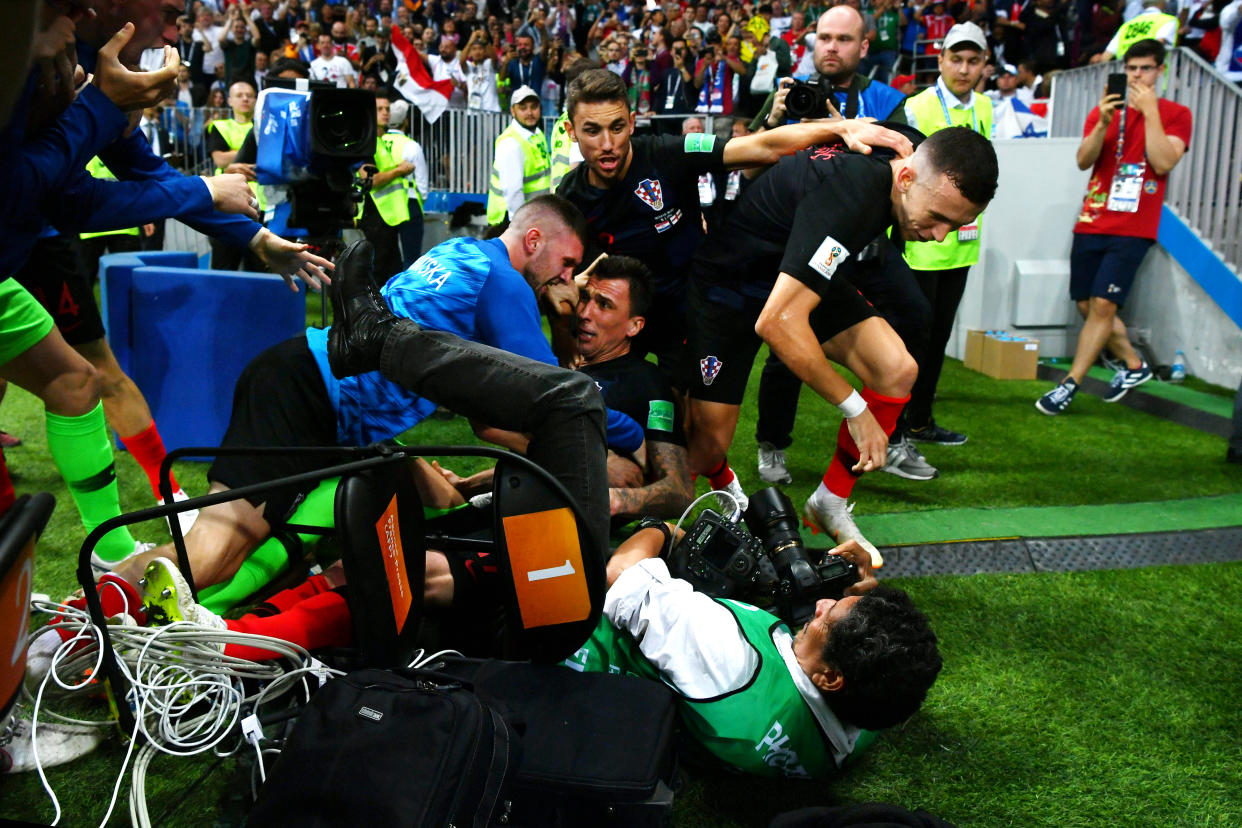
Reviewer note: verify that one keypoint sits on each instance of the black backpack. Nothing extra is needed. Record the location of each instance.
(392, 748)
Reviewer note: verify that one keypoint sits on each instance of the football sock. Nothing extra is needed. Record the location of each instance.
(722, 476)
(80, 450)
(148, 449)
(287, 598)
(839, 478)
(320, 621)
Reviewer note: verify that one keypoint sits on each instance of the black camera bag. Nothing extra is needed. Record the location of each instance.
(392, 748)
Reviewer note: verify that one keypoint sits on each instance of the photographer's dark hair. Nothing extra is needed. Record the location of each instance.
(596, 86)
(1147, 48)
(636, 274)
(285, 64)
(967, 158)
(544, 207)
(886, 652)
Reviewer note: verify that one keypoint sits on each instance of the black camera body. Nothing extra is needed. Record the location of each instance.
(769, 568)
(806, 100)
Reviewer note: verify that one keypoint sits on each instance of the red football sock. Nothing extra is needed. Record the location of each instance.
(148, 449)
(839, 478)
(7, 495)
(288, 598)
(116, 595)
(322, 620)
(722, 476)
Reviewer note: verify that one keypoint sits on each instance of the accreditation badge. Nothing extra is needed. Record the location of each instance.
(1127, 187)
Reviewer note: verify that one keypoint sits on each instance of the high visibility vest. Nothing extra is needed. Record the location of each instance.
(234, 134)
(536, 171)
(561, 144)
(400, 142)
(1141, 28)
(392, 201)
(957, 250)
(96, 168)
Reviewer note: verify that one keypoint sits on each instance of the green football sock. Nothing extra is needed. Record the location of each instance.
(270, 559)
(83, 455)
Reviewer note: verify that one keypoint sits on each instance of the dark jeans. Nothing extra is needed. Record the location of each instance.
(225, 256)
(411, 234)
(892, 288)
(561, 410)
(943, 289)
(384, 238)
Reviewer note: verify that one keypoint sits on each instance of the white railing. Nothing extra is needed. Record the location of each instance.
(1206, 188)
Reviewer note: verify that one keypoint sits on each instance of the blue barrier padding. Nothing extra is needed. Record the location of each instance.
(191, 332)
(442, 202)
(1204, 266)
(115, 275)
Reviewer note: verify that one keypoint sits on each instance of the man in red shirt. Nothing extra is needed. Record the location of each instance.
(1131, 146)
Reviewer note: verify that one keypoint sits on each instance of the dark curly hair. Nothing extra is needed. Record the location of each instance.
(886, 652)
(635, 274)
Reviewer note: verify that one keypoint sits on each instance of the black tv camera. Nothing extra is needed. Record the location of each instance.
(806, 100)
(768, 566)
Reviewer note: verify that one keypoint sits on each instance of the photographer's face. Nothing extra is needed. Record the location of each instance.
(809, 642)
(839, 44)
(603, 131)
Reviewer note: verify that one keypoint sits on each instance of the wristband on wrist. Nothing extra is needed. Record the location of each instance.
(852, 406)
(656, 523)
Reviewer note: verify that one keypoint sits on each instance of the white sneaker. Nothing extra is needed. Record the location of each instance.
(184, 519)
(58, 743)
(905, 461)
(736, 499)
(101, 566)
(833, 517)
(167, 598)
(772, 464)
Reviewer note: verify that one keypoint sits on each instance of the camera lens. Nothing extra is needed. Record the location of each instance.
(771, 517)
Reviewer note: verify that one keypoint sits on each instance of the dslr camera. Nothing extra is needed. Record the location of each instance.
(806, 100)
(767, 566)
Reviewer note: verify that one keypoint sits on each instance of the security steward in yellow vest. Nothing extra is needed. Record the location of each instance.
(522, 169)
(95, 245)
(387, 205)
(224, 139)
(562, 147)
(941, 267)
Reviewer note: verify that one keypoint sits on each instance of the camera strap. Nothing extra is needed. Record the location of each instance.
(853, 101)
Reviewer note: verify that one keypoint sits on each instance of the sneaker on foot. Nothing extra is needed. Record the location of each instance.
(184, 519)
(167, 598)
(933, 433)
(905, 461)
(101, 565)
(736, 499)
(361, 319)
(58, 743)
(836, 520)
(1058, 399)
(772, 464)
(1125, 379)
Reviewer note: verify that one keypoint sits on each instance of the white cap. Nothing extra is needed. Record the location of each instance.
(397, 112)
(522, 93)
(1008, 69)
(966, 34)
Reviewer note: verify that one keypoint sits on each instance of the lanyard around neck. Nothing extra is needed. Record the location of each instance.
(944, 107)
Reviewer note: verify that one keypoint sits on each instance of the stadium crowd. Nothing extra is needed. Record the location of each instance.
(598, 224)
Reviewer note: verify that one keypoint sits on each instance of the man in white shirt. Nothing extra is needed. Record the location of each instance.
(1229, 59)
(411, 232)
(512, 185)
(331, 67)
(446, 66)
(208, 34)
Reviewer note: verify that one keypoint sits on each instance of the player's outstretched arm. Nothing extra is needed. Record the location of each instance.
(289, 260)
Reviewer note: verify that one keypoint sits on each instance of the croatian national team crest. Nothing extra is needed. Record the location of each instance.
(710, 368)
(649, 191)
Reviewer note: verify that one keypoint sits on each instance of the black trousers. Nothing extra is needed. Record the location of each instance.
(891, 287)
(943, 289)
(411, 233)
(562, 410)
(225, 256)
(385, 238)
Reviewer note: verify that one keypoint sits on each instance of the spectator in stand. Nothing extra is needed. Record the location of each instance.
(674, 94)
(446, 66)
(1028, 81)
(525, 68)
(216, 106)
(614, 56)
(562, 22)
(272, 32)
(1151, 22)
(937, 22)
(1006, 85)
(191, 52)
(1229, 59)
(761, 76)
(345, 45)
(1044, 38)
(1130, 145)
(1009, 29)
(640, 83)
(719, 77)
(369, 40)
(378, 61)
(886, 39)
(207, 34)
(237, 44)
(480, 71)
(700, 21)
(536, 28)
(331, 67)
(302, 48)
(260, 70)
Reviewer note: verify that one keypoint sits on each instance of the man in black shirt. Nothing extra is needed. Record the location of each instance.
(785, 266)
(611, 312)
(640, 196)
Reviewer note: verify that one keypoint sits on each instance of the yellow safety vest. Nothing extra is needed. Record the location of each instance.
(393, 200)
(958, 249)
(234, 134)
(401, 140)
(1142, 27)
(96, 168)
(536, 171)
(561, 144)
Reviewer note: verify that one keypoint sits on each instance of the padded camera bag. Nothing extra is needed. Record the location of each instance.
(392, 748)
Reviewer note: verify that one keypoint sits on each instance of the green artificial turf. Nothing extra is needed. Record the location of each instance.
(1093, 699)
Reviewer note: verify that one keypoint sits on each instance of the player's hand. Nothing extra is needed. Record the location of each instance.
(245, 170)
(580, 279)
(290, 260)
(231, 194)
(450, 476)
(624, 472)
(861, 134)
(861, 559)
(134, 90)
(562, 297)
(1109, 104)
(871, 440)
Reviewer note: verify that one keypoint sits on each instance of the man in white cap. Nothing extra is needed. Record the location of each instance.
(522, 168)
(941, 266)
(419, 184)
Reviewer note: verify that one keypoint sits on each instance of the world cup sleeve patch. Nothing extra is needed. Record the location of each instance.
(700, 142)
(660, 415)
(828, 257)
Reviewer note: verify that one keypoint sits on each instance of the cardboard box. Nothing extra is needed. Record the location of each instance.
(973, 358)
(1009, 358)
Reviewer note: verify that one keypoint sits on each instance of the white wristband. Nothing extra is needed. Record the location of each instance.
(852, 406)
